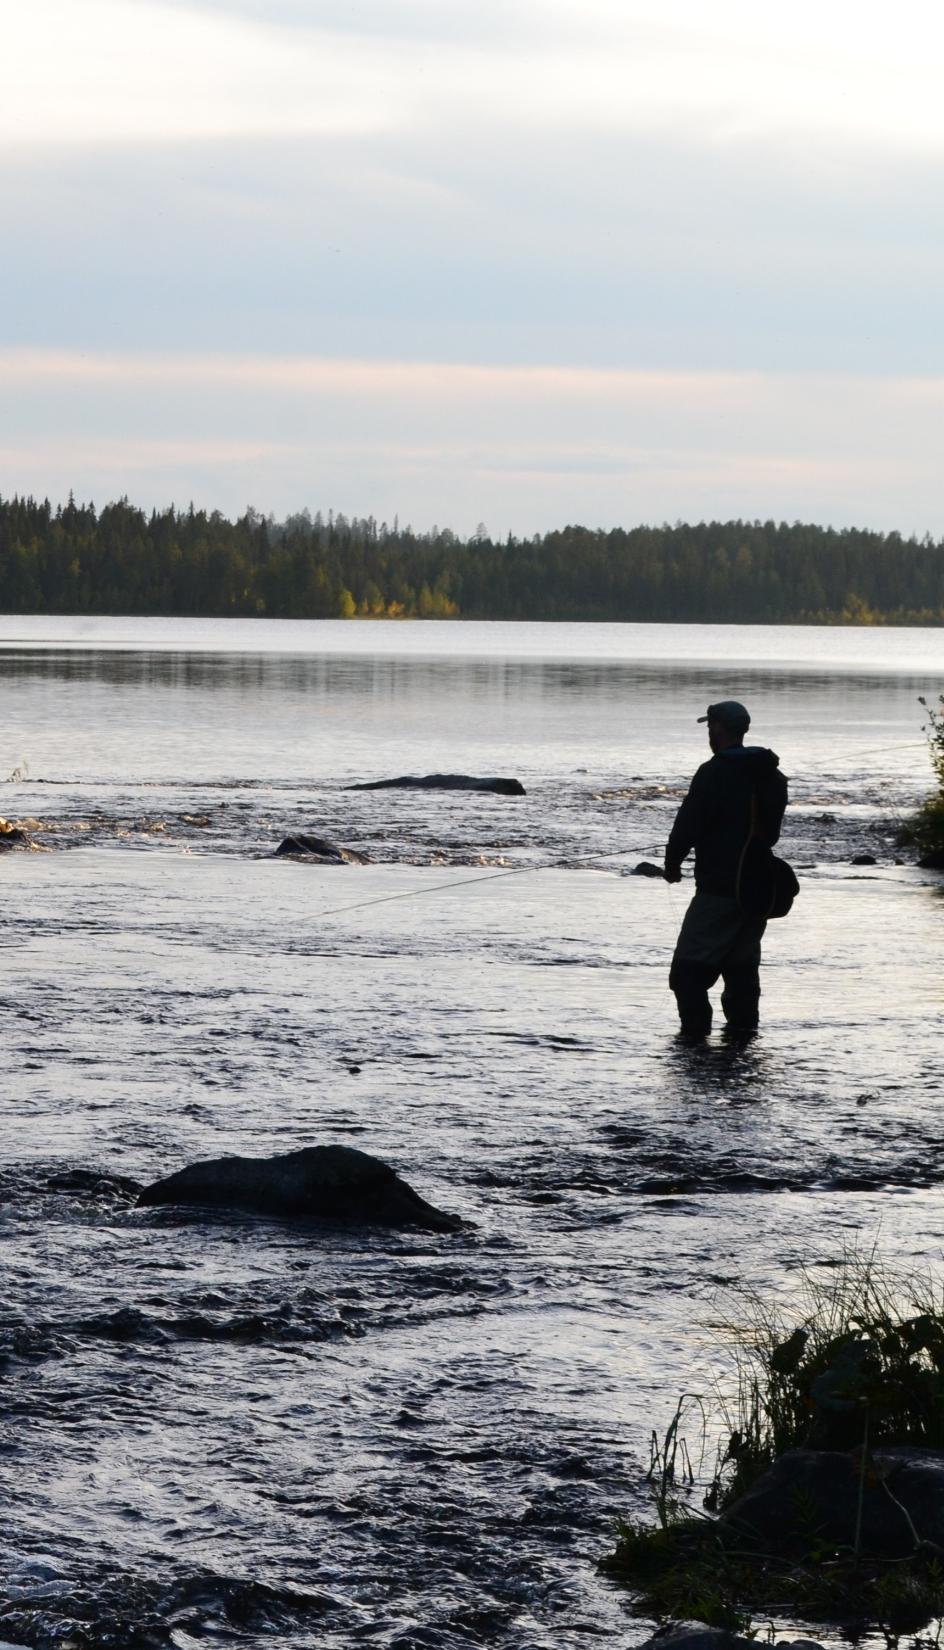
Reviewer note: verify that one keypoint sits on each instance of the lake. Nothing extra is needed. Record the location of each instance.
(274, 1435)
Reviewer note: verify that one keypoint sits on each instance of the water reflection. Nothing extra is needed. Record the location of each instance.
(731, 1073)
(391, 678)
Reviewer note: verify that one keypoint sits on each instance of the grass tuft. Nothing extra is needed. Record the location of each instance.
(857, 1363)
(925, 829)
(859, 1360)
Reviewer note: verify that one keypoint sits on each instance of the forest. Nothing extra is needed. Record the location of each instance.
(74, 559)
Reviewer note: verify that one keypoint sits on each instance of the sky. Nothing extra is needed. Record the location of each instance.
(463, 262)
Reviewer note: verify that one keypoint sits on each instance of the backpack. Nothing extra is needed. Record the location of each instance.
(765, 886)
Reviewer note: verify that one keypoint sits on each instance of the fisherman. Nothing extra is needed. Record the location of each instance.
(737, 796)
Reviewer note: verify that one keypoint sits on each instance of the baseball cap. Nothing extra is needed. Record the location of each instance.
(733, 715)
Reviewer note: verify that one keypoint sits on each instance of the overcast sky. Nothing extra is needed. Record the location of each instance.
(524, 263)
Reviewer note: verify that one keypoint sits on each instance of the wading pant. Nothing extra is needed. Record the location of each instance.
(716, 938)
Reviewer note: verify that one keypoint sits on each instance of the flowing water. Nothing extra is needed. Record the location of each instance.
(254, 1433)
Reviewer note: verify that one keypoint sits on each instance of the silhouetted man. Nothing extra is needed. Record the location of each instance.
(737, 795)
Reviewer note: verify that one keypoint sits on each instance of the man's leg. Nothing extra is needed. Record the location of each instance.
(740, 971)
(710, 925)
(691, 982)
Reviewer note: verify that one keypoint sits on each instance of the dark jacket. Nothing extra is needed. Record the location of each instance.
(715, 818)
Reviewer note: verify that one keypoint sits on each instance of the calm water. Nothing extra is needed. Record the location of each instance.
(269, 1436)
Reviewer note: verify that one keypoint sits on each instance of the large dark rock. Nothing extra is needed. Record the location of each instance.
(933, 861)
(442, 782)
(315, 847)
(335, 1183)
(810, 1499)
(693, 1635)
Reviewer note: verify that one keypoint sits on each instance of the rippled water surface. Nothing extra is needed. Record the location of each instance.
(246, 1432)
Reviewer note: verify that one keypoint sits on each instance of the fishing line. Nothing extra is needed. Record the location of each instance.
(578, 859)
(673, 895)
(878, 750)
(469, 882)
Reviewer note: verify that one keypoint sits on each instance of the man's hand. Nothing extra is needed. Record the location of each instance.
(673, 873)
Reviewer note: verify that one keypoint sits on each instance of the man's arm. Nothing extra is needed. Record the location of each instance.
(689, 822)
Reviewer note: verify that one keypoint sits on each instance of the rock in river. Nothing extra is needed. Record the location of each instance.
(693, 1635)
(315, 847)
(820, 1496)
(11, 836)
(442, 782)
(333, 1183)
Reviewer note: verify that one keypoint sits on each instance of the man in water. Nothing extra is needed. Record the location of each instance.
(738, 794)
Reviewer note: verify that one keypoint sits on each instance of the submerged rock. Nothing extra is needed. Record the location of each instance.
(315, 847)
(812, 1497)
(334, 1183)
(863, 859)
(442, 782)
(934, 861)
(646, 868)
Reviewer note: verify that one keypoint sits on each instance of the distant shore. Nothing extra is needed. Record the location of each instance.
(75, 560)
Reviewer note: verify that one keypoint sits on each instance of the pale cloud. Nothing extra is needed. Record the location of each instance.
(511, 23)
(520, 448)
(482, 248)
(110, 71)
(121, 453)
(121, 70)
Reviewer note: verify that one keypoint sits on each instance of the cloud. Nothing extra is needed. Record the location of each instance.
(577, 252)
(113, 72)
(521, 448)
(119, 70)
(505, 22)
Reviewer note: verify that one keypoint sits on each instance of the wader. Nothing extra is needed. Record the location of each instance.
(716, 938)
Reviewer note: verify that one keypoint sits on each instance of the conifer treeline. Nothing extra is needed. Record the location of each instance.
(74, 559)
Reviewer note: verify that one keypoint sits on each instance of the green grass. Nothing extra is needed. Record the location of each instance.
(925, 829)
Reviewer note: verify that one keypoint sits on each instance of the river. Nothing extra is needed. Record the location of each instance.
(249, 1433)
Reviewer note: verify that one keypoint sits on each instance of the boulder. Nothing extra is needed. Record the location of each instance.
(863, 859)
(933, 861)
(11, 836)
(332, 1183)
(316, 848)
(442, 782)
(694, 1635)
(646, 868)
(810, 1499)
